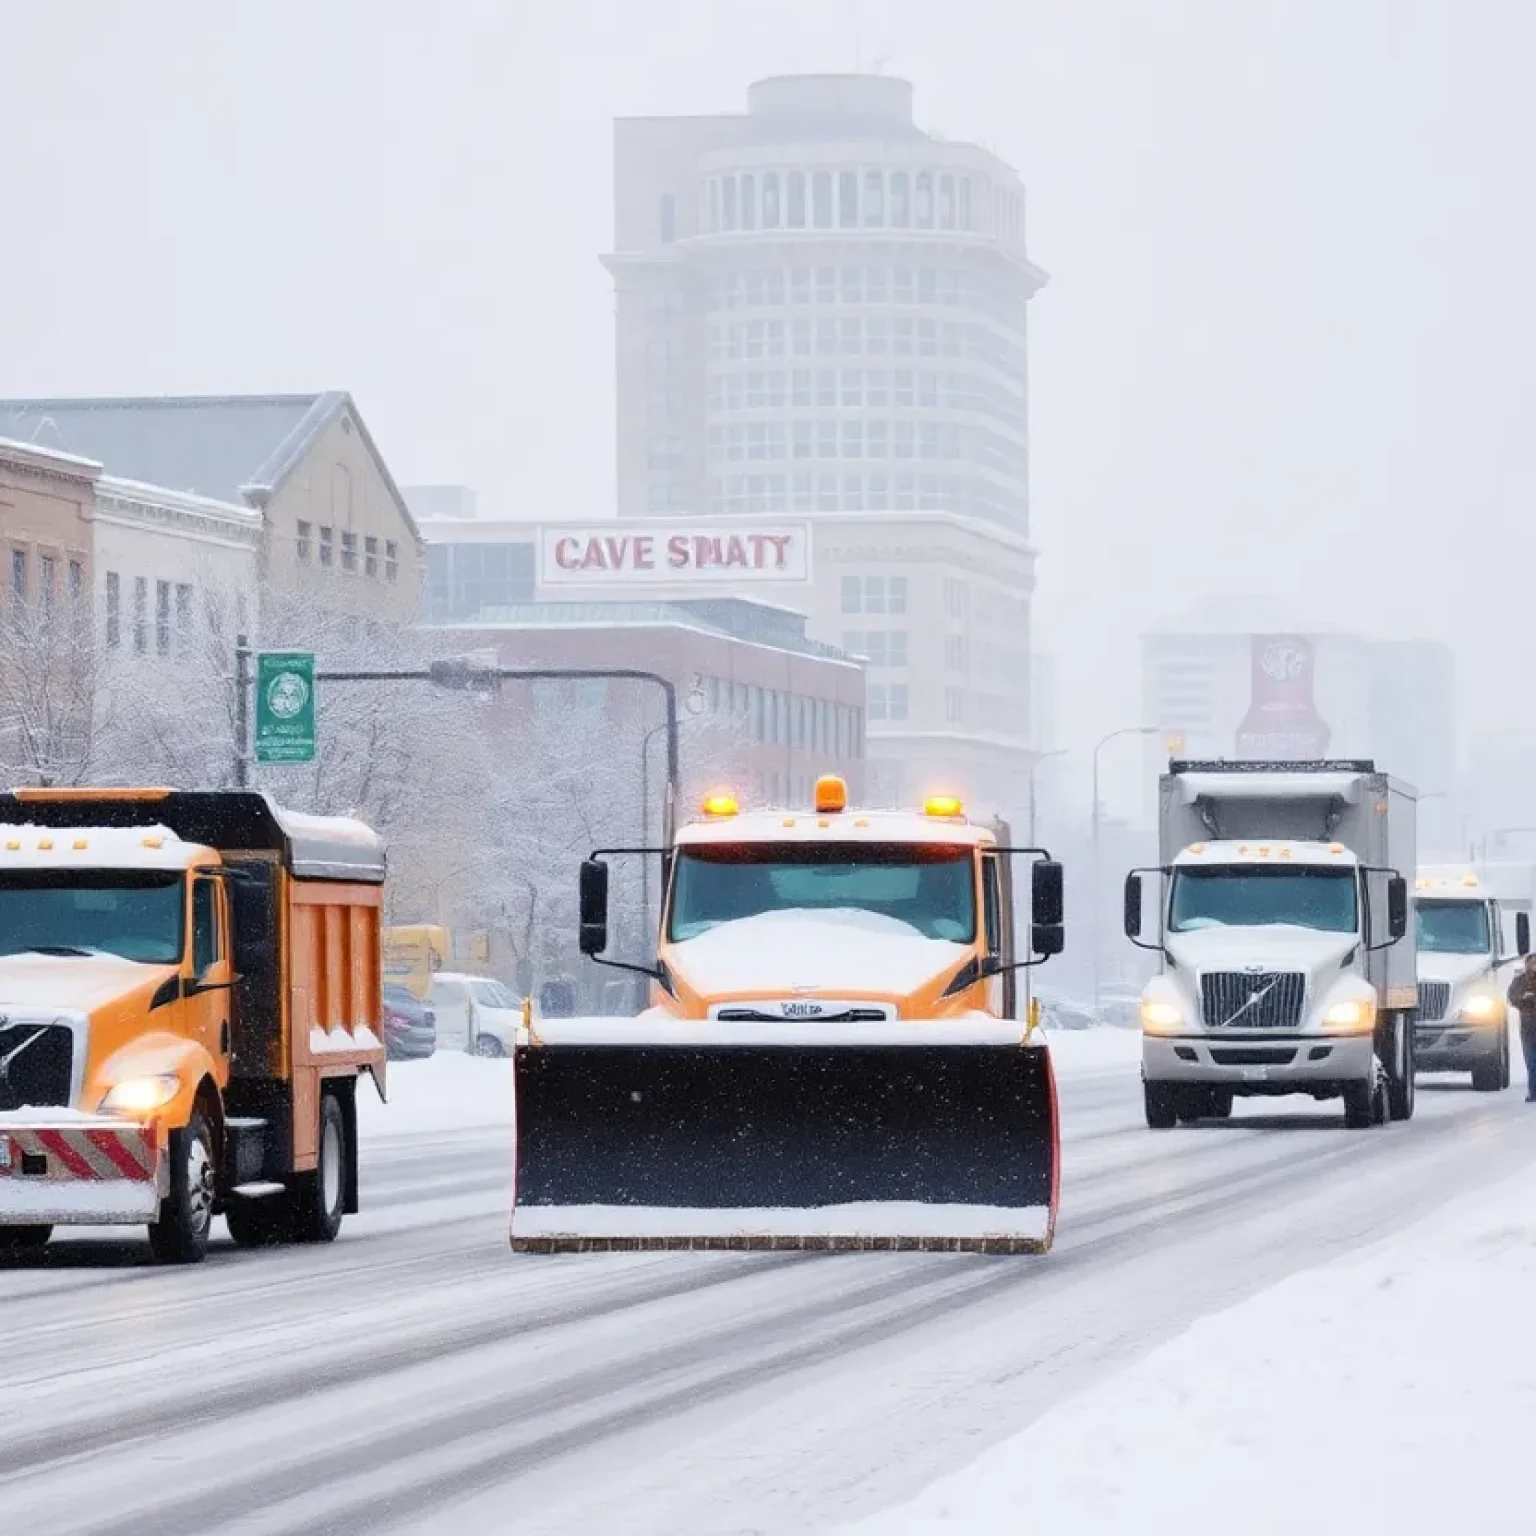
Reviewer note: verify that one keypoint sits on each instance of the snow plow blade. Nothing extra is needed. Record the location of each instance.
(915, 1135)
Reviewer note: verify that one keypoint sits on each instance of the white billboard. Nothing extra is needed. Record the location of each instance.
(623, 556)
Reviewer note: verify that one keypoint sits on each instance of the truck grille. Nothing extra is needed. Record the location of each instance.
(36, 1065)
(1434, 999)
(871, 1015)
(1253, 999)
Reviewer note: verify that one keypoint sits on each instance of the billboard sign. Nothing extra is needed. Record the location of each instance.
(625, 556)
(1282, 723)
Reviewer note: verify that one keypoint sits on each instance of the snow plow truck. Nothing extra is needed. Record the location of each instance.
(832, 1058)
(189, 991)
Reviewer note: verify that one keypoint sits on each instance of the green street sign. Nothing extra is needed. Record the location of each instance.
(285, 707)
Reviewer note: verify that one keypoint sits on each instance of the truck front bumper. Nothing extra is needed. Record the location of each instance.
(1450, 1046)
(1258, 1063)
(85, 1172)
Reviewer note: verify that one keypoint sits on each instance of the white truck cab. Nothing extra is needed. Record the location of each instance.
(1280, 912)
(1463, 1020)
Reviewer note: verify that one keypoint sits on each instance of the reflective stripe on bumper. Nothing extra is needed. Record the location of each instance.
(80, 1173)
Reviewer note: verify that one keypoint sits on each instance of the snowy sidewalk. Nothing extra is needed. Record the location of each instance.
(1392, 1392)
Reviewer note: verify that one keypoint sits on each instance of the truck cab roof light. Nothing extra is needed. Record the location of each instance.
(720, 805)
(831, 793)
(943, 805)
(1335, 847)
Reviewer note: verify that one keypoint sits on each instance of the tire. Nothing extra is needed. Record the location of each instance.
(1491, 1076)
(1504, 1056)
(23, 1239)
(264, 1223)
(1162, 1105)
(1218, 1104)
(1360, 1101)
(316, 1201)
(180, 1235)
(488, 1045)
(1402, 1087)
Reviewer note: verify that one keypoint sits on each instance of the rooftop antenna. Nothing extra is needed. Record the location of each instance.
(46, 421)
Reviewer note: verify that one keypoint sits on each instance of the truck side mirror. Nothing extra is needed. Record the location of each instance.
(1047, 904)
(1522, 933)
(594, 906)
(1397, 907)
(1133, 907)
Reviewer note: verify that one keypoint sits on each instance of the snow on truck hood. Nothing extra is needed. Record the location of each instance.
(1443, 966)
(831, 951)
(79, 982)
(1275, 946)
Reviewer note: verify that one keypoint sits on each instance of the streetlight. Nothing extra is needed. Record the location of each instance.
(1093, 927)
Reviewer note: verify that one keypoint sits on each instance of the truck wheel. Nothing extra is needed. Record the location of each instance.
(1402, 1087)
(1488, 1076)
(1504, 1055)
(23, 1239)
(258, 1223)
(318, 1199)
(180, 1235)
(1162, 1105)
(1360, 1105)
(488, 1045)
(1218, 1104)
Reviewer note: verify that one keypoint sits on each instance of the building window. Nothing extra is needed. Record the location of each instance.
(954, 653)
(946, 202)
(45, 569)
(848, 199)
(965, 202)
(795, 213)
(183, 614)
(114, 610)
(901, 209)
(957, 598)
(391, 561)
(875, 594)
(728, 203)
(349, 552)
(874, 199)
(770, 200)
(954, 706)
(76, 581)
(140, 614)
(821, 199)
(163, 618)
(924, 200)
(714, 207)
(327, 549)
(667, 218)
(370, 556)
(749, 202)
(19, 575)
(305, 542)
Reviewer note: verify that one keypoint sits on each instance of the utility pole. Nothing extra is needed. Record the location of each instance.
(242, 709)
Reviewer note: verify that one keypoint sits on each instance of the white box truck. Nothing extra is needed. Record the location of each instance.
(1282, 910)
(1471, 924)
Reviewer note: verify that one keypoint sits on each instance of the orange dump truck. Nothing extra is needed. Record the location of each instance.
(833, 1057)
(189, 991)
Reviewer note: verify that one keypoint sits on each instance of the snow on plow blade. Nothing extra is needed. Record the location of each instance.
(926, 1135)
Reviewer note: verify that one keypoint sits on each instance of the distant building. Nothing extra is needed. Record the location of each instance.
(334, 527)
(1235, 693)
(47, 503)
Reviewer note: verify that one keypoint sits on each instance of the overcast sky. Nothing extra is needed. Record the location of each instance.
(1286, 345)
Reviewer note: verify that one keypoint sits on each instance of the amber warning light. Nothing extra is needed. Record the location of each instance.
(831, 793)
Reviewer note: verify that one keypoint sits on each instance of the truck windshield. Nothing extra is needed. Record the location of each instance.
(1243, 896)
(1452, 927)
(930, 889)
(135, 913)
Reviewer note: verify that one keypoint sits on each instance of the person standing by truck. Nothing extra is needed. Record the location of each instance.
(1522, 995)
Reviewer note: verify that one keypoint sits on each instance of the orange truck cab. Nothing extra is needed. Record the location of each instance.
(189, 990)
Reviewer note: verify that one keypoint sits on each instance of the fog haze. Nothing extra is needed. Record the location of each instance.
(1284, 347)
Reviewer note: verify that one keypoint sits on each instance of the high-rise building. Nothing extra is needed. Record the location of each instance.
(820, 307)
(821, 312)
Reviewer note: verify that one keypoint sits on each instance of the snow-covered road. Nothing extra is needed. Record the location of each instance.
(418, 1377)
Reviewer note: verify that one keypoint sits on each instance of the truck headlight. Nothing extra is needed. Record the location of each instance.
(1350, 1018)
(1161, 1018)
(1480, 1008)
(140, 1095)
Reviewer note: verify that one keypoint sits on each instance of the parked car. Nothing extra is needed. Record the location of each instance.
(410, 1027)
(476, 1013)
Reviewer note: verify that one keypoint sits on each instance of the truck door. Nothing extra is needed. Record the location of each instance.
(997, 917)
(211, 998)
